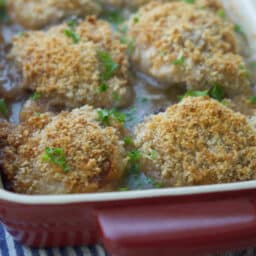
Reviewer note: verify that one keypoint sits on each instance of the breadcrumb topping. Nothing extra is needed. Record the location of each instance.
(198, 141)
(211, 4)
(36, 14)
(69, 74)
(179, 44)
(94, 154)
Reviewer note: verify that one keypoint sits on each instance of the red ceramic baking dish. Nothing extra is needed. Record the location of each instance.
(175, 221)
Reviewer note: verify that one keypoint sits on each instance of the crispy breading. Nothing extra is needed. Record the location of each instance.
(198, 141)
(211, 4)
(69, 73)
(35, 14)
(95, 154)
(179, 44)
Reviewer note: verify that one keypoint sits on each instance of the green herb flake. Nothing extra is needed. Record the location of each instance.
(105, 116)
(114, 16)
(3, 108)
(116, 97)
(217, 92)
(3, 12)
(252, 99)
(135, 19)
(128, 141)
(73, 35)
(130, 114)
(36, 96)
(180, 61)
(72, 23)
(238, 29)
(56, 156)
(109, 66)
(189, 1)
(221, 13)
(153, 182)
(246, 72)
(130, 44)
(144, 100)
(153, 154)
(103, 87)
(194, 94)
(134, 155)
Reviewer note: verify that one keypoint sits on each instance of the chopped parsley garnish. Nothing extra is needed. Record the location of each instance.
(194, 94)
(252, 99)
(128, 140)
(109, 66)
(72, 34)
(103, 87)
(116, 97)
(56, 156)
(105, 116)
(221, 13)
(130, 114)
(153, 182)
(217, 92)
(134, 155)
(238, 29)
(135, 19)
(143, 99)
(3, 12)
(130, 44)
(3, 108)
(36, 96)
(179, 61)
(153, 154)
(245, 71)
(133, 167)
(72, 22)
(189, 1)
(114, 16)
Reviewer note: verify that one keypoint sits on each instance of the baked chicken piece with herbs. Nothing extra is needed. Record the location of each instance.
(181, 44)
(74, 64)
(214, 5)
(73, 152)
(34, 14)
(197, 142)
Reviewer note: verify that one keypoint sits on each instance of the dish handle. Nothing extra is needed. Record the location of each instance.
(181, 228)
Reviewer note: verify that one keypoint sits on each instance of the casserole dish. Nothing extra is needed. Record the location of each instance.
(177, 221)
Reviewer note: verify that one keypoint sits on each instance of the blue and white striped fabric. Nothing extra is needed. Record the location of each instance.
(8, 247)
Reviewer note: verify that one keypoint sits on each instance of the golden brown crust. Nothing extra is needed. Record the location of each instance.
(206, 44)
(198, 141)
(211, 4)
(35, 14)
(94, 154)
(69, 74)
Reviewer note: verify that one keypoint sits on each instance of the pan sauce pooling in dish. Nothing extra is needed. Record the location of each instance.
(161, 99)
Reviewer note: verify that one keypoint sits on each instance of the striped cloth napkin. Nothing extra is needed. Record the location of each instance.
(8, 247)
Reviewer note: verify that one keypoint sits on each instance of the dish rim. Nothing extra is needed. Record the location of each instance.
(121, 196)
